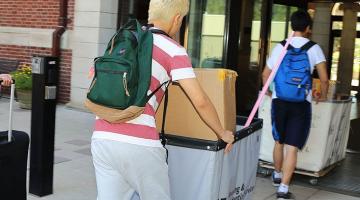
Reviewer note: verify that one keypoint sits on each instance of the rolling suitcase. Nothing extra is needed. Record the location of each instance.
(13, 160)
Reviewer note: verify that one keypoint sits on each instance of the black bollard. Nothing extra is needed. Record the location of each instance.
(45, 72)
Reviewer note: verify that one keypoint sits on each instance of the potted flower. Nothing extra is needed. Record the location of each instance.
(23, 85)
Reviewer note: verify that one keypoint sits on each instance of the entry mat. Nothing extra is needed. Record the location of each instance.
(344, 178)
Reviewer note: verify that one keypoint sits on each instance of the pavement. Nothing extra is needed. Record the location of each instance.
(74, 177)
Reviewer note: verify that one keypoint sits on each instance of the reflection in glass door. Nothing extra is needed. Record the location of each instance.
(335, 61)
(337, 25)
(280, 23)
(129, 9)
(255, 34)
(205, 37)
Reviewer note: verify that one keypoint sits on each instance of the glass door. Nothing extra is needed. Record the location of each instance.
(205, 39)
(280, 23)
(129, 9)
(255, 35)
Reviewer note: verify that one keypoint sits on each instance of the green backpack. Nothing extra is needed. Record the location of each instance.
(118, 91)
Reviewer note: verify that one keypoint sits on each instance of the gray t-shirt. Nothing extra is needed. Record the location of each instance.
(315, 55)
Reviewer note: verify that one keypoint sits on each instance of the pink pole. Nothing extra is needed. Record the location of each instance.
(269, 80)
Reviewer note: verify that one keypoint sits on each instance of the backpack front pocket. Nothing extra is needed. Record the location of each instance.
(298, 78)
(113, 90)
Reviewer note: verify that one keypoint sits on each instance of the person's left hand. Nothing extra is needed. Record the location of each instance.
(229, 138)
(6, 79)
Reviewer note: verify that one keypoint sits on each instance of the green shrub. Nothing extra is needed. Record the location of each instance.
(23, 77)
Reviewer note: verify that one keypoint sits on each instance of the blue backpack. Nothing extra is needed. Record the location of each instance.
(293, 80)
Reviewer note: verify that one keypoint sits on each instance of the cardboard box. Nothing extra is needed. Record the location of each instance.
(183, 120)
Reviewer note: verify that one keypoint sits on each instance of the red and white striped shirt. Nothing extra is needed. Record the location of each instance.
(169, 62)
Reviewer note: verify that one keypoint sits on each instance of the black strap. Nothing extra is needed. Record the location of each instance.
(166, 98)
(283, 43)
(307, 46)
(157, 89)
(162, 132)
(157, 31)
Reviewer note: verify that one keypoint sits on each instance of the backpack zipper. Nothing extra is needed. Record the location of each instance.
(125, 85)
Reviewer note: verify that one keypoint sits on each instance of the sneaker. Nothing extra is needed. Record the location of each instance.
(275, 181)
(284, 196)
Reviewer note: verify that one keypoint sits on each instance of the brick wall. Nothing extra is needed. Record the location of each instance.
(33, 13)
(24, 54)
(37, 14)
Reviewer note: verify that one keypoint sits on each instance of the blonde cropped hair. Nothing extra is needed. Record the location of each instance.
(166, 9)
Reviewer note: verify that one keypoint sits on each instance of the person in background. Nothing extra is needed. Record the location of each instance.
(6, 79)
(291, 120)
(128, 157)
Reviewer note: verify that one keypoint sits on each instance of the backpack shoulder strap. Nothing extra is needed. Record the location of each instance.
(283, 43)
(308, 45)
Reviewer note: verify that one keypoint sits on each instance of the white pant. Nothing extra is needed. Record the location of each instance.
(122, 169)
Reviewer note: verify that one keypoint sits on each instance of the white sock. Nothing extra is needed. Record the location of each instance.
(283, 188)
(277, 174)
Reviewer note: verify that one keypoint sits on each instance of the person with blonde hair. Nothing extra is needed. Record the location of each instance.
(129, 157)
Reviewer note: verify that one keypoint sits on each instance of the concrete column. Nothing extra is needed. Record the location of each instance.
(321, 26)
(347, 47)
(94, 24)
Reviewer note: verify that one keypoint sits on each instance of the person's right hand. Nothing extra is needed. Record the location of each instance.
(320, 99)
(6, 79)
(229, 138)
(268, 93)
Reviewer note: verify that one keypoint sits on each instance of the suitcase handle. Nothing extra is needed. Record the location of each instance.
(13, 81)
(12, 94)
